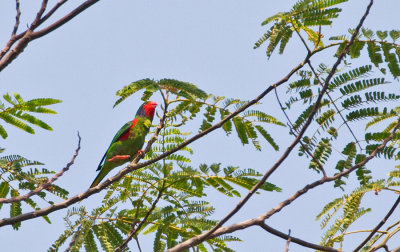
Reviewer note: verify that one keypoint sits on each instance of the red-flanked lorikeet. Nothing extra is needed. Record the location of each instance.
(127, 142)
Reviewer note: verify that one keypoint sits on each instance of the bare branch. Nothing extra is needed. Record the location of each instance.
(51, 12)
(16, 18)
(64, 19)
(8, 54)
(295, 240)
(383, 221)
(289, 239)
(39, 15)
(13, 34)
(48, 183)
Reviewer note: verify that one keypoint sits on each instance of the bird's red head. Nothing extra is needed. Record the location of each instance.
(147, 109)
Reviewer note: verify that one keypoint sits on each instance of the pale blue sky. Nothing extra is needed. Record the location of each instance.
(208, 43)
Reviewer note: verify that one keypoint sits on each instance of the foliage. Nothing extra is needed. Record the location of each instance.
(190, 100)
(351, 209)
(357, 96)
(16, 180)
(19, 111)
(167, 198)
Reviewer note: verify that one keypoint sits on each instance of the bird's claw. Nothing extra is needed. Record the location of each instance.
(140, 153)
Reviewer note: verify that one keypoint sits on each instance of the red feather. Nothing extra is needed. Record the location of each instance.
(126, 134)
(149, 109)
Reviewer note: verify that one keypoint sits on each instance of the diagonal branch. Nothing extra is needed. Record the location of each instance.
(48, 183)
(383, 221)
(64, 19)
(290, 238)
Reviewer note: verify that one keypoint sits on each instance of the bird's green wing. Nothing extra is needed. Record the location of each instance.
(120, 132)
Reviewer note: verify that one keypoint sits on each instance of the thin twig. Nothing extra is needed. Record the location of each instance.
(16, 18)
(336, 107)
(133, 232)
(288, 242)
(39, 15)
(52, 11)
(293, 239)
(321, 83)
(383, 221)
(73, 240)
(138, 244)
(305, 147)
(48, 183)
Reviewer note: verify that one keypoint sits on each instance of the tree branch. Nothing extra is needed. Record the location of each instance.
(383, 221)
(133, 232)
(289, 239)
(39, 15)
(8, 54)
(16, 18)
(48, 183)
(295, 240)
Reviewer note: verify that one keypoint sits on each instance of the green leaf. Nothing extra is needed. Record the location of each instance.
(15, 209)
(267, 137)
(374, 53)
(240, 129)
(4, 189)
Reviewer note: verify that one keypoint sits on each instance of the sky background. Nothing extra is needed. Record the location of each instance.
(208, 43)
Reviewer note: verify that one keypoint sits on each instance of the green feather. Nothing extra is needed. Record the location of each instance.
(129, 146)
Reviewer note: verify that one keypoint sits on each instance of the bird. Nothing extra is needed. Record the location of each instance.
(128, 141)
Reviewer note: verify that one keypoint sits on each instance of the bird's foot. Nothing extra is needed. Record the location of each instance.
(140, 153)
(118, 157)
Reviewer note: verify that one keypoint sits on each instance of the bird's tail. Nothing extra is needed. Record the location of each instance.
(98, 178)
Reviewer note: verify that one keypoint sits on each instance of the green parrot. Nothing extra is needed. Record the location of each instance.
(127, 142)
